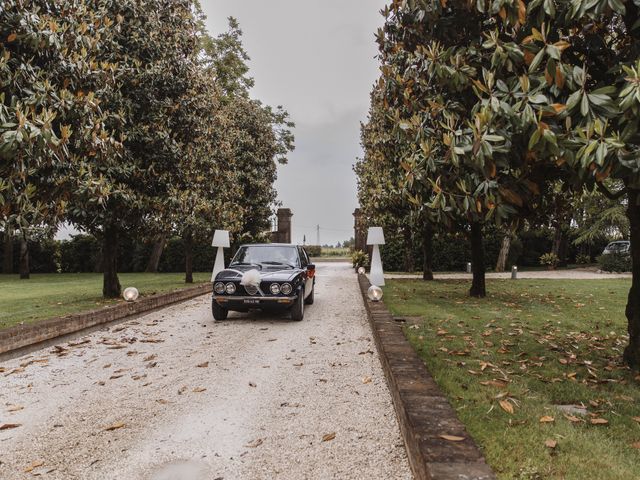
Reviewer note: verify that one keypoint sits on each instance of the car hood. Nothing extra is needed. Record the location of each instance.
(272, 273)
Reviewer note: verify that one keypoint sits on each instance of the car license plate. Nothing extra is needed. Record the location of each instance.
(251, 301)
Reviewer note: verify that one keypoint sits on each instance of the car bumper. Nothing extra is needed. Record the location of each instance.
(254, 302)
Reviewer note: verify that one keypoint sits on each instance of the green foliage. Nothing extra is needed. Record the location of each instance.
(550, 259)
(615, 262)
(313, 250)
(359, 259)
(583, 259)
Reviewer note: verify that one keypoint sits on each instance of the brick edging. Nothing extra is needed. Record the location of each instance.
(22, 336)
(423, 412)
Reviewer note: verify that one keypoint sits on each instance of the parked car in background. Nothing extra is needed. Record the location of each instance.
(620, 247)
(270, 276)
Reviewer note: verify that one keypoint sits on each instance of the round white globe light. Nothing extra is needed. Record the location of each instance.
(130, 294)
(374, 293)
(362, 271)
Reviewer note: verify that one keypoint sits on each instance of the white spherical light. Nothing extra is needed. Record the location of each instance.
(362, 271)
(130, 294)
(374, 293)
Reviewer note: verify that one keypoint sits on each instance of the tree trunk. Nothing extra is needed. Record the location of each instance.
(478, 288)
(409, 264)
(504, 253)
(188, 257)
(110, 283)
(632, 352)
(24, 259)
(427, 251)
(557, 242)
(156, 254)
(7, 259)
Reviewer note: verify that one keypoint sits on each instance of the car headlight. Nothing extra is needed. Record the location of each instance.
(230, 288)
(286, 288)
(219, 288)
(275, 288)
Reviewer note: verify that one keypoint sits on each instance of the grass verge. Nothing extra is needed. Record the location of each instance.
(508, 361)
(52, 295)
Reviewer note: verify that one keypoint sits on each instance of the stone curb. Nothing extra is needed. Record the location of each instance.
(423, 412)
(22, 336)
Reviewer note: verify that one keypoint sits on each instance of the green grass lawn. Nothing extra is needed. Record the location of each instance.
(52, 295)
(530, 346)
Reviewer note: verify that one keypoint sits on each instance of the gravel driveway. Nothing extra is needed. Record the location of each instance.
(174, 396)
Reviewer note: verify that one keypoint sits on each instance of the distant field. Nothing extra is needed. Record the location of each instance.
(335, 252)
(52, 295)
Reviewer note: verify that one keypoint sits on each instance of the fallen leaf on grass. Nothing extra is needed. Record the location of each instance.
(636, 419)
(452, 438)
(203, 365)
(547, 419)
(636, 445)
(550, 443)
(572, 418)
(494, 383)
(8, 426)
(599, 421)
(255, 444)
(506, 406)
(199, 390)
(33, 465)
(328, 437)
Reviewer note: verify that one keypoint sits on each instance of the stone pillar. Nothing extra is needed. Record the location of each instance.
(360, 232)
(284, 225)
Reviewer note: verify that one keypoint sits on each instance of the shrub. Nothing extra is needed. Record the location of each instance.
(615, 262)
(583, 259)
(550, 259)
(313, 250)
(359, 259)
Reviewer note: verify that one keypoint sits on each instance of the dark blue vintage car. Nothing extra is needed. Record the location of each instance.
(270, 276)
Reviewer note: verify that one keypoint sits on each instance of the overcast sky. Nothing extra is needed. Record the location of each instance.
(317, 59)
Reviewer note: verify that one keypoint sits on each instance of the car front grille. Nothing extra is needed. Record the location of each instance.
(250, 289)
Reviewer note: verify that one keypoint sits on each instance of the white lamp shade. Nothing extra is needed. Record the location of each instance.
(375, 236)
(221, 239)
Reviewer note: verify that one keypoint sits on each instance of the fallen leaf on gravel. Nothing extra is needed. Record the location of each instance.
(366, 380)
(547, 419)
(506, 406)
(328, 437)
(256, 443)
(33, 465)
(452, 438)
(199, 389)
(15, 370)
(108, 365)
(298, 364)
(8, 426)
(152, 364)
(550, 443)
(114, 377)
(599, 421)
(182, 390)
(152, 340)
(203, 365)
(272, 340)
(116, 347)
(251, 384)
(162, 401)
(148, 358)
(2, 369)
(115, 426)
(82, 342)
(15, 408)
(364, 353)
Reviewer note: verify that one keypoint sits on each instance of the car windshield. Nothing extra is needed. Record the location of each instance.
(266, 255)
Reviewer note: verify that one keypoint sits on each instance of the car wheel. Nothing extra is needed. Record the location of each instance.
(309, 299)
(219, 313)
(297, 311)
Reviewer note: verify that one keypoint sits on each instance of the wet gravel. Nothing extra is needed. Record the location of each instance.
(175, 396)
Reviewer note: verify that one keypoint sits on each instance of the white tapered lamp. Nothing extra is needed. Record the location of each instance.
(220, 240)
(375, 237)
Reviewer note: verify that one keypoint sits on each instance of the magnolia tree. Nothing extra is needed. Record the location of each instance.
(512, 98)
